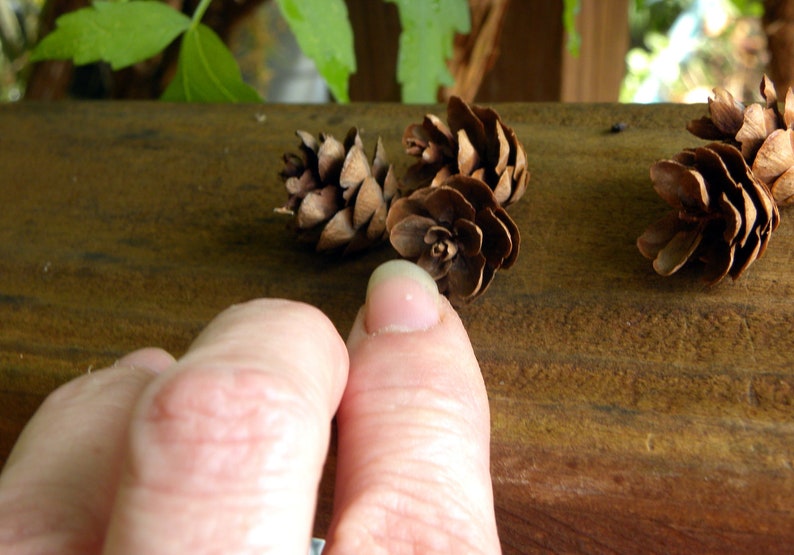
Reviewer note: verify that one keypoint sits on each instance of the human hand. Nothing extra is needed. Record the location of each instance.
(222, 451)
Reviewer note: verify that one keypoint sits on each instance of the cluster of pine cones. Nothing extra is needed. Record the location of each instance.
(725, 195)
(447, 213)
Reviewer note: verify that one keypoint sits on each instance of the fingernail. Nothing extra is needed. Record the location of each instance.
(154, 360)
(401, 297)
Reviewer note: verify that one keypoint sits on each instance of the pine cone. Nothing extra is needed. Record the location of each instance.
(475, 144)
(458, 232)
(337, 199)
(723, 215)
(744, 127)
(764, 135)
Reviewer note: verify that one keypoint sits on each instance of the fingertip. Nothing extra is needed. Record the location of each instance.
(291, 333)
(401, 297)
(153, 359)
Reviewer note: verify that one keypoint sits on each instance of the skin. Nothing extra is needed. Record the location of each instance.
(222, 450)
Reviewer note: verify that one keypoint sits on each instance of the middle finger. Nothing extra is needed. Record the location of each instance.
(227, 449)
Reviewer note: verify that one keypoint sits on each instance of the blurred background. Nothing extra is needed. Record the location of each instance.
(630, 51)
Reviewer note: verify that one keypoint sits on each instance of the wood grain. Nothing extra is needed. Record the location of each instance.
(630, 413)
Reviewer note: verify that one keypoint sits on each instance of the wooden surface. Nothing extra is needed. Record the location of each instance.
(631, 413)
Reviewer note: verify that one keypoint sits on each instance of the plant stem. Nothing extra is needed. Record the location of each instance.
(199, 13)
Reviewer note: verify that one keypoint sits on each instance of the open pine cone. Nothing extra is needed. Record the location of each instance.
(744, 127)
(763, 134)
(458, 232)
(337, 198)
(723, 215)
(475, 144)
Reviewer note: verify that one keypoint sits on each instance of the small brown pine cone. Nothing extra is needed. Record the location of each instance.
(477, 143)
(723, 215)
(458, 232)
(744, 127)
(339, 201)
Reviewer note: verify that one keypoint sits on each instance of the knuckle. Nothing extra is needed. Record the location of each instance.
(221, 430)
(218, 407)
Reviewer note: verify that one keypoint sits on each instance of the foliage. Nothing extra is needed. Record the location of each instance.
(323, 31)
(125, 33)
(428, 31)
(570, 11)
(207, 72)
(682, 48)
(648, 17)
(753, 8)
(18, 25)
(121, 33)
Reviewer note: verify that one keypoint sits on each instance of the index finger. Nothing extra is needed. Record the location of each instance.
(226, 449)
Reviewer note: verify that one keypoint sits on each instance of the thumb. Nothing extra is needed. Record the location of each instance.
(413, 457)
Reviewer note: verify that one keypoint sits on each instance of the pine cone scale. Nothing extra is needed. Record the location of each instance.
(659, 234)
(468, 159)
(775, 156)
(470, 237)
(408, 234)
(498, 242)
(783, 188)
(354, 170)
(370, 198)
(677, 251)
(718, 259)
(449, 205)
(727, 112)
(317, 207)
(338, 232)
(680, 186)
(497, 148)
(470, 120)
(467, 278)
(376, 230)
(330, 158)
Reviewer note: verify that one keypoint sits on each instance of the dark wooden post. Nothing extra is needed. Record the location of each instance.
(595, 75)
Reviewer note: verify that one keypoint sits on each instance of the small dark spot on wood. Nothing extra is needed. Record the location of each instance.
(15, 301)
(95, 256)
(752, 395)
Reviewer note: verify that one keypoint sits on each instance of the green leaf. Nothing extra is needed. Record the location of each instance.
(426, 43)
(570, 11)
(322, 29)
(121, 34)
(207, 71)
(752, 8)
